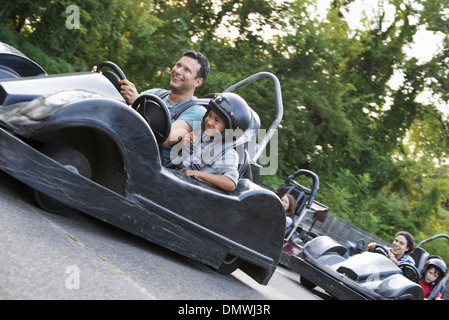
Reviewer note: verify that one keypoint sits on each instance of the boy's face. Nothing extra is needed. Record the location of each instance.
(431, 275)
(213, 124)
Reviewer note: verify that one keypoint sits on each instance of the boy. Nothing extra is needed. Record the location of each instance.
(211, 155)
(432, 275)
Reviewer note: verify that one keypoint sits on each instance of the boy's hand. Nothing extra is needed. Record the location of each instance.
(189, 173)
(189, 136)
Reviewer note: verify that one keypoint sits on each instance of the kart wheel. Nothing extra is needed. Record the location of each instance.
(229, 265)
(306, 283)
(71, 159)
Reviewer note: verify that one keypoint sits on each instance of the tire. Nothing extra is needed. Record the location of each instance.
(307, 283)
(229, 265)
(73, 160)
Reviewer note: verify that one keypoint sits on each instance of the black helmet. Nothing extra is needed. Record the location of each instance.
(233, 109)
(439, 265)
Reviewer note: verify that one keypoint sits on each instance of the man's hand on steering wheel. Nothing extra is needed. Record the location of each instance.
(377, 248)
(126, 88)
(128, 91)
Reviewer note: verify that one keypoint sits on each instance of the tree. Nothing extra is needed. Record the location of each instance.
(380, 150)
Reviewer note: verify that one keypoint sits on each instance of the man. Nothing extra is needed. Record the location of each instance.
(189, 73)
(402, 245)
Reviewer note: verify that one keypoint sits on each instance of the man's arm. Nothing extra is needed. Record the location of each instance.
(179, 129)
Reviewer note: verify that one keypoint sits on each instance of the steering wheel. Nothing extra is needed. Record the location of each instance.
(410, 272)
(156, 114)
(381, 249)
(115, 76)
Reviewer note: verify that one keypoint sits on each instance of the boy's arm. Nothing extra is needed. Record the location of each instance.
(220, 181)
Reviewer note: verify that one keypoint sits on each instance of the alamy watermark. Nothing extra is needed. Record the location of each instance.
(73, 20)
(206, 150)
(72, 282)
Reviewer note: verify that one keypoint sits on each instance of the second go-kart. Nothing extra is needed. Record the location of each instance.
(369, 275)
(366, 276)
(306, 206)
(73, 141)
(321, 261)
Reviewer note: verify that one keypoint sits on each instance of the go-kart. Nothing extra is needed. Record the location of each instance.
(323, 262)
(73, 141)
(370, 275)
(306, 207)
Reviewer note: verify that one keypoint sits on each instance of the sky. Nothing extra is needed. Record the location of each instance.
(426, 44)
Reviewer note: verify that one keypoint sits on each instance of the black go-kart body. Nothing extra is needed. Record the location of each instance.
(72, 140)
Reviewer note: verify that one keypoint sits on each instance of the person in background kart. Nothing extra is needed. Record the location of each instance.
(189, 73)
(289, 203)
(402, 245)
(433, 273)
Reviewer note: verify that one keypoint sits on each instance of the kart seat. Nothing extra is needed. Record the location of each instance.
(420, 256)
(299, 195)
(248, 147)
(320, 215)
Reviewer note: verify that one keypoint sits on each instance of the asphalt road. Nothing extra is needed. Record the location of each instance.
(73, 256)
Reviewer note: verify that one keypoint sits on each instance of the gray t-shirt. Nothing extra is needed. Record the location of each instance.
(212, 158)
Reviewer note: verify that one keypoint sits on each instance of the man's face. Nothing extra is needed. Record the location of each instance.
(399, 246)
(183, 75)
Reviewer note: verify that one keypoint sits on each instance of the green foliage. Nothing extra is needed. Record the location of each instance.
(380, 151)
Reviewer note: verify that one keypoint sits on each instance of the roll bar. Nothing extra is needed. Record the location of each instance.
(280, 109)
